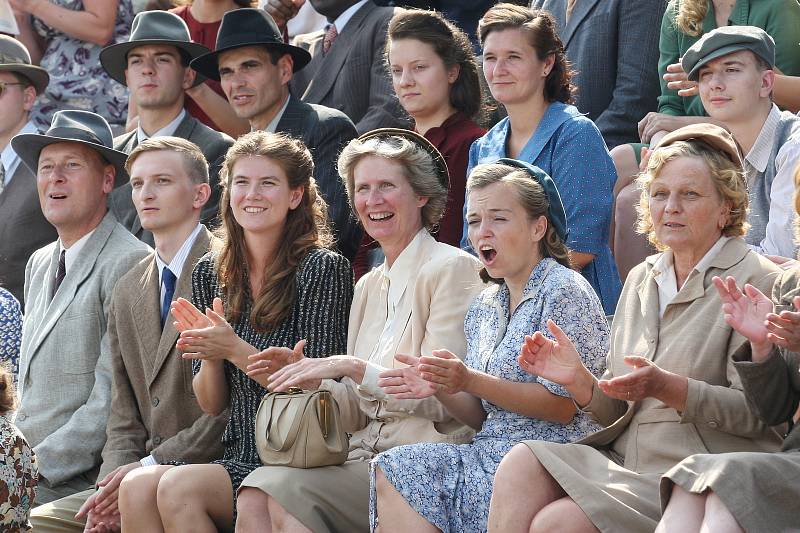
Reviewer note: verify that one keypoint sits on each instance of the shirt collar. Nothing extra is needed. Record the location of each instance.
(178, 262)
(9, 157)
(404, 267)
(758, 156)
(664, 264)
(273, 124)
(167, 130)
(342, 20)
(73, 251)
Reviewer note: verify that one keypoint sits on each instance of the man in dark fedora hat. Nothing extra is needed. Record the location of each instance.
(255, 66)
(65, 366)
(23, 228)
(154, 65)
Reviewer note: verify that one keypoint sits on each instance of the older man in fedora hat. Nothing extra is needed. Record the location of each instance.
(734, 68)
(255, 67)
(20, 83)
(154, 65)
(65, 367)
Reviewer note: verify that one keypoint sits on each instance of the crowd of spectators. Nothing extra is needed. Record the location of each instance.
(543, 257)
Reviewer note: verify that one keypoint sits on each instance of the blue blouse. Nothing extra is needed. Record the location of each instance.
(569, 147)
(10, 331)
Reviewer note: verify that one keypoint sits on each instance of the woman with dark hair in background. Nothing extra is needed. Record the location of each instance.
(527, 72)
(436, 79)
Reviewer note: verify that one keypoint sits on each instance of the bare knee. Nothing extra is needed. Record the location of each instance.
(252, 511)
(562, 515)
(519, 465)
(175, 491)
(138, 490)
(624, 158)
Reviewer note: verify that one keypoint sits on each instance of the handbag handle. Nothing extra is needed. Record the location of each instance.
(294, 429)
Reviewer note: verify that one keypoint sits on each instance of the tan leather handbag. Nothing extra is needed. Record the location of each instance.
(300, 428)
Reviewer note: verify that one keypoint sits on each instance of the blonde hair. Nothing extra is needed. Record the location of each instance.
(194, 162)
(531, 196)
(418, 165)
(690, 16)
(727, 177)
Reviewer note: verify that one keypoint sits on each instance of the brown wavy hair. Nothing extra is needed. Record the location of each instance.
(690, 16)
(306, 228)
(540, 28)
(531, 197)
(450, 44)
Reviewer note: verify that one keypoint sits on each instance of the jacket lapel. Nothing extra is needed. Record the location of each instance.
(581, 11)
(147, 307)
(648, 296)
(292, 119)
(78, 273)
(328, 71)
(183, 288)
(186, 127)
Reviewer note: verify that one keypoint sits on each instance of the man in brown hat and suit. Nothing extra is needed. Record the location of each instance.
(154, 65)
(20, 82)
(255, 67)
(154, 415)
(65, 363)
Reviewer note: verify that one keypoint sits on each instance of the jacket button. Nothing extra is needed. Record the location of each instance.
(155, 401)
(156, 440)
(713, 424)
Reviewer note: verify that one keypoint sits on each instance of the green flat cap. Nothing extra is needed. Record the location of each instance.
(726, 40)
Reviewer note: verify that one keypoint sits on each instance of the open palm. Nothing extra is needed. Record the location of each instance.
(554, 360)
(745, 311)
(406, 383)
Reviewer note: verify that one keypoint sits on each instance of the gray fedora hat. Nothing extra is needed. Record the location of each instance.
(14, 57)
(82, 127)
(151, 27)
(727, 40)
(248, 27)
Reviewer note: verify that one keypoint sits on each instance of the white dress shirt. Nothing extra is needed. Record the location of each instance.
(167, 130)
(9, 157)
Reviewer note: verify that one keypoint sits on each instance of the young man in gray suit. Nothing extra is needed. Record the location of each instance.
(154, 65)
(65, 363)
(154, 414)
(23, 228)
(255, 67)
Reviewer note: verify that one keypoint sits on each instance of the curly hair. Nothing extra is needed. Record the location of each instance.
(531, 197)
(690, 16)
(450, 44)
(306, 228)
(540, 28)
(727, 177)
(420, 171)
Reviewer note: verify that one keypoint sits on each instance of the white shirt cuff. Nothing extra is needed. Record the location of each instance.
(148, 461)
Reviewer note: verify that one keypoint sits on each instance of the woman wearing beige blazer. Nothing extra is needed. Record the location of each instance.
(746, 491)
(412, 304)
(670, 389)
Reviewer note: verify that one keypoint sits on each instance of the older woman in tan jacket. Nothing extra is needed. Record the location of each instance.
(670, 389)
(412, 304)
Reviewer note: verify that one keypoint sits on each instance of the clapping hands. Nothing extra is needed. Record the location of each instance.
(426, 375)
(747, 311)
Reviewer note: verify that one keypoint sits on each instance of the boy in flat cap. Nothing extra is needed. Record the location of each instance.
(733, 66)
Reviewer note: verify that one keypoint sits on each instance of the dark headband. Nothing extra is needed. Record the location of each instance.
(438, 159)
(555, 210)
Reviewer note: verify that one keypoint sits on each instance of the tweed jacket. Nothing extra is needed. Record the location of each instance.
(353, 76)
(153, 408)
(429, 316)
(325, 132)
(65, 360)
(772, 386)
(693, 340)
(23, 229)
(613, 45)
(214, 146)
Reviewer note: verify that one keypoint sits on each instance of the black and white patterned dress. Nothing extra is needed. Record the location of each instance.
(324, 292)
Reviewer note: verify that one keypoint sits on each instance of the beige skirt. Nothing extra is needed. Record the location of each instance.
(614, 498)
(761, 490)
(330, 499)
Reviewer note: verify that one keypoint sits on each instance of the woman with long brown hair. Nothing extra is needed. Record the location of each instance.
(271, 282)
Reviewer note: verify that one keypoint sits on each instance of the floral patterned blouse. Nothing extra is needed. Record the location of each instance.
(77, 81)
(18, 478)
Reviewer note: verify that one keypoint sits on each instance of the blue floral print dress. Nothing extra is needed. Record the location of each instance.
(77, 80)
(451, 485)
(10, 331)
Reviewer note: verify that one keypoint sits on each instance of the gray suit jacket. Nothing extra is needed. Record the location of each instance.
(325, 131)
(23, 229)
(64, 372)
(153, 406)
(613, 44)
(353, 76)
(213, 144)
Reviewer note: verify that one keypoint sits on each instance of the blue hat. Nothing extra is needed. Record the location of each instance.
(555, 209)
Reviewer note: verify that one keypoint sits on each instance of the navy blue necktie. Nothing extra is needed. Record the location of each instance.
(168, 279)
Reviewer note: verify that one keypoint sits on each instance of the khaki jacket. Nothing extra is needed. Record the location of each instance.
(693, 340)
(430, 316)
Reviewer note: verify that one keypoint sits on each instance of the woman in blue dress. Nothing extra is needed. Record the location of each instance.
(527, 72)
(517, 224)
(10, 332)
